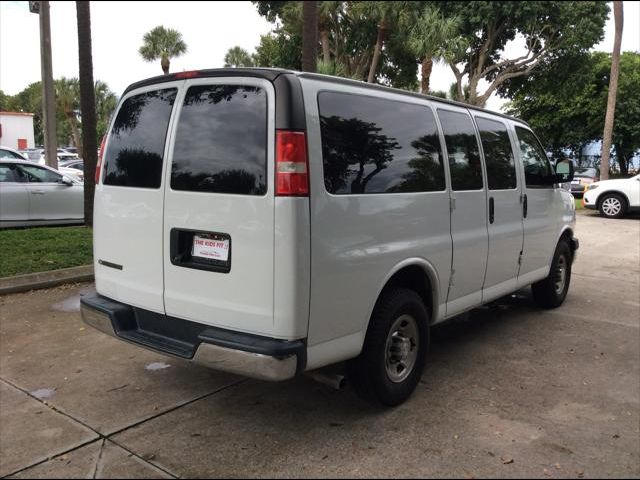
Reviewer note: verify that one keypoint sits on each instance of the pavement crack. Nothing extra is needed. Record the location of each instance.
(154, 465)
(95, 470)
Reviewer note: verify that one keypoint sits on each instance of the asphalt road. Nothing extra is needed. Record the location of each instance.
(510, 391)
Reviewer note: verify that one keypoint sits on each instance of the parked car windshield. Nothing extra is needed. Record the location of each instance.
(586, 172)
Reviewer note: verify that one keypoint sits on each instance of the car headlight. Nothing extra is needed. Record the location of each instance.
(593, 186)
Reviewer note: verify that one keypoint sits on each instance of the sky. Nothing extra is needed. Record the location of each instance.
(208, 28)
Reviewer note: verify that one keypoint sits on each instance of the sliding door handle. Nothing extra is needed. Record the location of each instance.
(524, 205)
(492, 209)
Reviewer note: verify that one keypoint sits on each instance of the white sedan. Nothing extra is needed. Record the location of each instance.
(614, 198)
(32, 194)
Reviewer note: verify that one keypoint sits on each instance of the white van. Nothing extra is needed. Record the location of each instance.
(269, 223)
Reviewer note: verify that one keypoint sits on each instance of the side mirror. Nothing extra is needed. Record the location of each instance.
(66, 180)
(564, 172)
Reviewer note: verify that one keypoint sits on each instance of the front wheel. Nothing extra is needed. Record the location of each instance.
(551, 292)
(613, 206)
(393, 356)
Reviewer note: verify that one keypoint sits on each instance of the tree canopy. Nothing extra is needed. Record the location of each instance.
(162, 43)
(570, 113)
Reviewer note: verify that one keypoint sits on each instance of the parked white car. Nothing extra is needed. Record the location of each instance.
(32, 194)
(37, 156)
(269, 223)
(614, 198)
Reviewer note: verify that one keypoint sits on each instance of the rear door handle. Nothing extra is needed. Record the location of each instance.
(524, 205)
(491, 210)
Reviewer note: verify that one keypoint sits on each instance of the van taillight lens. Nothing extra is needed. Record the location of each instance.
(99, 164)
(292, 167)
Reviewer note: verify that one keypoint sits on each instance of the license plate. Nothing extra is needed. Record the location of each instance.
(210, 248)
(575, 182)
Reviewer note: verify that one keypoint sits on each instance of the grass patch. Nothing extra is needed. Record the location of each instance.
(30, 250)
(578, 204)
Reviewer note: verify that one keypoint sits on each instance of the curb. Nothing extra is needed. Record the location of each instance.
(53, 278)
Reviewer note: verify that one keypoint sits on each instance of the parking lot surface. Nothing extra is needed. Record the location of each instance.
(509, 391)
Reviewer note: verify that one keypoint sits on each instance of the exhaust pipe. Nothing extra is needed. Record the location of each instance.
(337, 382)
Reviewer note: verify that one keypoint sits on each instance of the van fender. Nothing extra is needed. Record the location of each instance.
(431, 272)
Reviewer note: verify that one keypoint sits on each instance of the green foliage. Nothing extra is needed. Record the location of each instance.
(237, 57)
(279, 49)
(40, 249)
(67, 96)
(570, 113)
(550, 30)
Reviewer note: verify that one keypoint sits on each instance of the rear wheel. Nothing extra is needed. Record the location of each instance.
(551, 292)
(394, 353)
(613, 205)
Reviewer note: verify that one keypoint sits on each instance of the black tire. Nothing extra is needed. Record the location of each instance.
(547, 293)
(612, 205)
(368, 373)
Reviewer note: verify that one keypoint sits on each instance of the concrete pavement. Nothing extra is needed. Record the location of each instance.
(509, 391)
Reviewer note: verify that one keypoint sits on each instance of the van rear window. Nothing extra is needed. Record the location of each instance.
(374, 145)
(135, 150)
(221, 141)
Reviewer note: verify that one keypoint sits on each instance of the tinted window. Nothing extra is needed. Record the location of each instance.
(372, 145)
(462, 149)
(498, 154)
(537, 170)
(8, 174)
(7, 154)
(35, 174)
(136, 144)
(221, 143)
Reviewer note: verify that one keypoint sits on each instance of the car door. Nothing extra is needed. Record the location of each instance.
(49, 197)
(539, 198)
(633, 191)
(14, 199)
(219, 205)
(505, 212)
(468, 210)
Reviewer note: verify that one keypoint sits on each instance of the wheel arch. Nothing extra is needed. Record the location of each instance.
(416, 274)
(609, 192)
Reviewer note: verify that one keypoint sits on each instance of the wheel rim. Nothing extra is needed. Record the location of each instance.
(401, 350)
(560, 274)
(611, 206)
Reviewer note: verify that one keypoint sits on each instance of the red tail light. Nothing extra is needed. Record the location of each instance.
(188, 74)
(99, 164)
(292, 166)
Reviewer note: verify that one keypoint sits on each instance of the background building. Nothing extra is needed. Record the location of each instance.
(16, 130)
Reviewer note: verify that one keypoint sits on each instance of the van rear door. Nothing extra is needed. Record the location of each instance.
(129, 200)
(219, 205)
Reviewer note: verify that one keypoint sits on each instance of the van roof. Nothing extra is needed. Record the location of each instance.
(272, 73)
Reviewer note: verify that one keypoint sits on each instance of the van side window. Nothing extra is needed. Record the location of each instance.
(537, 169)
(374, 145)
(221, 141)
(135, 150)
(462, 149)
(498, 154)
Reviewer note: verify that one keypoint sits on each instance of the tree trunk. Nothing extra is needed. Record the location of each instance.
(164, 63)
(326, 51)
(309, 35)
(613, 90)
(623, 161)
(87, 107)
(376, 54)
(427, 66)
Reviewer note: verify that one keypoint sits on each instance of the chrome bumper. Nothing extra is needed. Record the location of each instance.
(284, 360)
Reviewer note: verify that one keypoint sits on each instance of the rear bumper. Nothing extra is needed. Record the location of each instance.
(243, 354)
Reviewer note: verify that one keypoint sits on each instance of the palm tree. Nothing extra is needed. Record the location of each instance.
(385, 13)
(613, 91)
(162, 43)
(237, 57)
(88, 149)
(309, 35)
(429, 38)
(68, 101)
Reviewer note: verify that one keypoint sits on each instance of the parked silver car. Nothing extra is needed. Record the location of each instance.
(32, 194)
